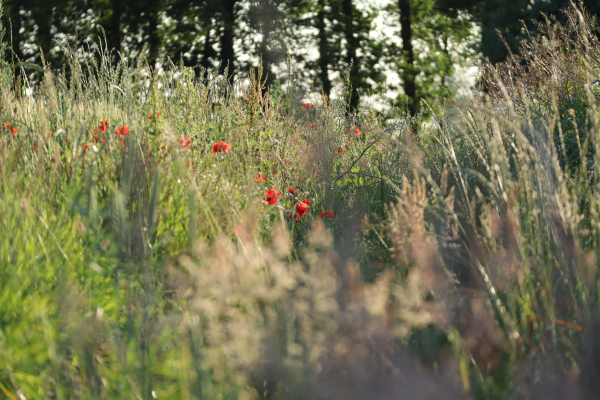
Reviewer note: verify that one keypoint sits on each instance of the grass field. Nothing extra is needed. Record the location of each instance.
(164, 236)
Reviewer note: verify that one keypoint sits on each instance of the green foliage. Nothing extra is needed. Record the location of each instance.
(440, 36)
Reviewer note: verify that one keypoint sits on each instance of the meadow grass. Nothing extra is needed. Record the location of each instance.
(459, 259)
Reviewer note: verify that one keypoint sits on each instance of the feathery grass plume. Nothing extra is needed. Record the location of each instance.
(521, 157)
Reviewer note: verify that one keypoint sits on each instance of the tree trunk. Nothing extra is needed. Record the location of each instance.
(408, 74)
(351, 59)
(268, 59)
(12, 12)
(43, 19)
(266, 20)
(324, 51)
(227, 38)
(207, 51)
(153, 34)
(115, 30)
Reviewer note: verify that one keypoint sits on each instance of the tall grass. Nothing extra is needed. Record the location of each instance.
(460, 262)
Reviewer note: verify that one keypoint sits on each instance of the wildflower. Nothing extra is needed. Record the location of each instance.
(307, 202)
(123, 130)
(104, 125)
(314, 126)
(260, 176)
(326, 214)
(158, 114)
(293, 191)
(272, 196)
(301, 209)
(102, 140)
(239, 230)
(85, 146)
(356, 130)
(221, 146)
(14, 130)
(189, 164)
(149, 116)
(7, 126)
(306, 106)
(34, 148)
(243, 233)
(339, 149)
(185, 142)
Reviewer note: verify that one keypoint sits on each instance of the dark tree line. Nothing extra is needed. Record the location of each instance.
(232, 35)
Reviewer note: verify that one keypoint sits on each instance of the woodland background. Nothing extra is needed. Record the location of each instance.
(419, 43)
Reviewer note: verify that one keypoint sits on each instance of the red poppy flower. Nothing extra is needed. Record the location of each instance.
(306, 106)
(123, 130)
(272, 196)
(221, 147)
(314, 126)
(85, 146)
(7, 126)
(326, 214)
(293, 191)
(104, 125)
(307, 202)
(149, 116)
(14, 130)
(158, 114)
(185, 142)
(356, 130)
(301, 209)
(189, 164)
(339, 149)
(260, 177)
(102, 140)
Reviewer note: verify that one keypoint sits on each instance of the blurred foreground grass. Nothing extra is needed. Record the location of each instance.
(324, 254)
